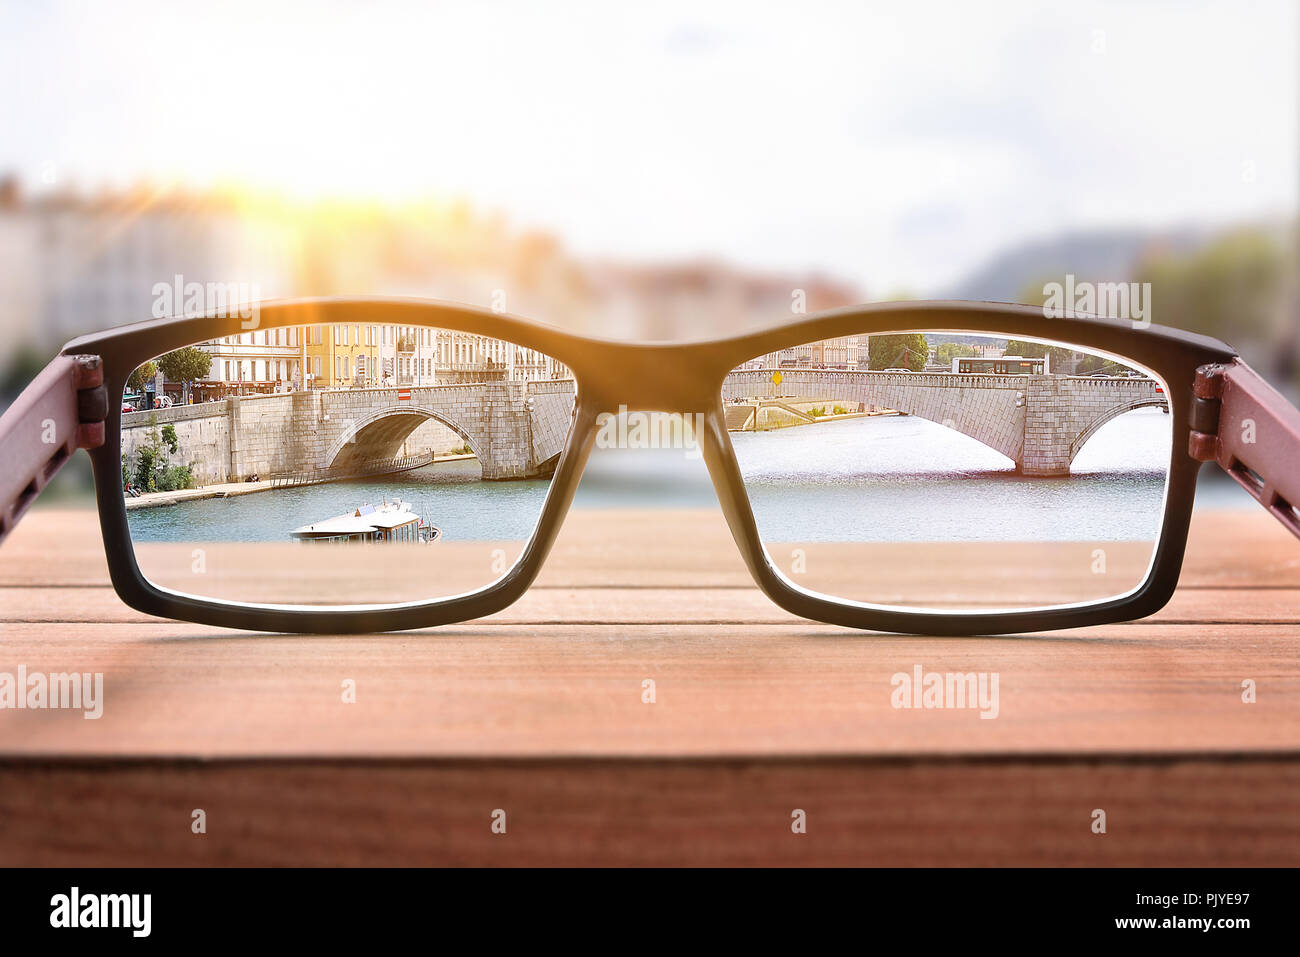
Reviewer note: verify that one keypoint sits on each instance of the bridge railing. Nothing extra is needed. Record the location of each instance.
(757, 383)
(557, 385)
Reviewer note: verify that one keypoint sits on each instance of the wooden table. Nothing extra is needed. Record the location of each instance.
(539, 712)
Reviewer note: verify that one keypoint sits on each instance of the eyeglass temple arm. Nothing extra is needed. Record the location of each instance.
(62, 410)
(1244, 424)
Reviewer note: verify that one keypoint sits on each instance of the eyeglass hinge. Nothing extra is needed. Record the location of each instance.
(1207, 396)
(92, 400)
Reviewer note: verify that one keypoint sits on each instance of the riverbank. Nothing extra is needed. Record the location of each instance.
(230, 489)
(766, 415)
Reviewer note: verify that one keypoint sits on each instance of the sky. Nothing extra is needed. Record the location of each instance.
(897, 146)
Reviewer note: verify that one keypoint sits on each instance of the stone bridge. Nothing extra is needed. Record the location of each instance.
(515, 429)
(1039, 422)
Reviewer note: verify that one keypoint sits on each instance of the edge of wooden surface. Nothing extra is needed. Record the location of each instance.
(984, 811)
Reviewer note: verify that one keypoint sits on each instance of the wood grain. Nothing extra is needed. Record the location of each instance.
(538, 710)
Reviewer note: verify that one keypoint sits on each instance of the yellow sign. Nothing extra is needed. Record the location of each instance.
(777, 377)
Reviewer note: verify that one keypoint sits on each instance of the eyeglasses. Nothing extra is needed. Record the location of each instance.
(948, 468)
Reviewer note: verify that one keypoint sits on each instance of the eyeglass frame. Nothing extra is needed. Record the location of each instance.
(1203, 379)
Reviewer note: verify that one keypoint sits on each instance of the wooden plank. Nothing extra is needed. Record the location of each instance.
(573, 690)
(992, 812)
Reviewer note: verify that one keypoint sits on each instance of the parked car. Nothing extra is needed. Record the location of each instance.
(898, 370)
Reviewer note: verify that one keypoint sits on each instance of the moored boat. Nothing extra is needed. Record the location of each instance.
(389, 522)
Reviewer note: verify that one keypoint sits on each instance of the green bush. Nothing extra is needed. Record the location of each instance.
(148, 467)
(817, 411)
(173, 478)
(146, 462)
(840, 410)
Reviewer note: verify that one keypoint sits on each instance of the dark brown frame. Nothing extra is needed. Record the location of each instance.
(681, 378)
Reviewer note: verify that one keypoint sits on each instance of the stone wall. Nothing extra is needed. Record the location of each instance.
(550, 406)
(1065, 411)
(202, 434)
(431, 436)
(258, 425)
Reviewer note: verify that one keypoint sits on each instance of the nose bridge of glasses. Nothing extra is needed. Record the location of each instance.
(652, 378)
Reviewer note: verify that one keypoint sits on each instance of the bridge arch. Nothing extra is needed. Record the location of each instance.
(1076, 446)
(389, 428)
(996, 420)
(1000, 431)
(1040, 422)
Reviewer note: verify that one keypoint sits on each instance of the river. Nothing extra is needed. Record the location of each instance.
(883, 478)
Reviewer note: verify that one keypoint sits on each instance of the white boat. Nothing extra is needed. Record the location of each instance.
(390, 522)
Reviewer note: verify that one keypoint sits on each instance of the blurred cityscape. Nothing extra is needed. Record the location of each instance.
(72, 263)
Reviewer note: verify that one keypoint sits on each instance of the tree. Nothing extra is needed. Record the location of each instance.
(142, 374)
(185, 365)
(1232, 288)
(1064, 361)
(947, 351)
(908, 350)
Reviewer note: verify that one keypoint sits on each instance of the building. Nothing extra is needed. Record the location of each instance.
(423, 356)
(343, 356)
(264, 360)
(843, 352)
(72, 264)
